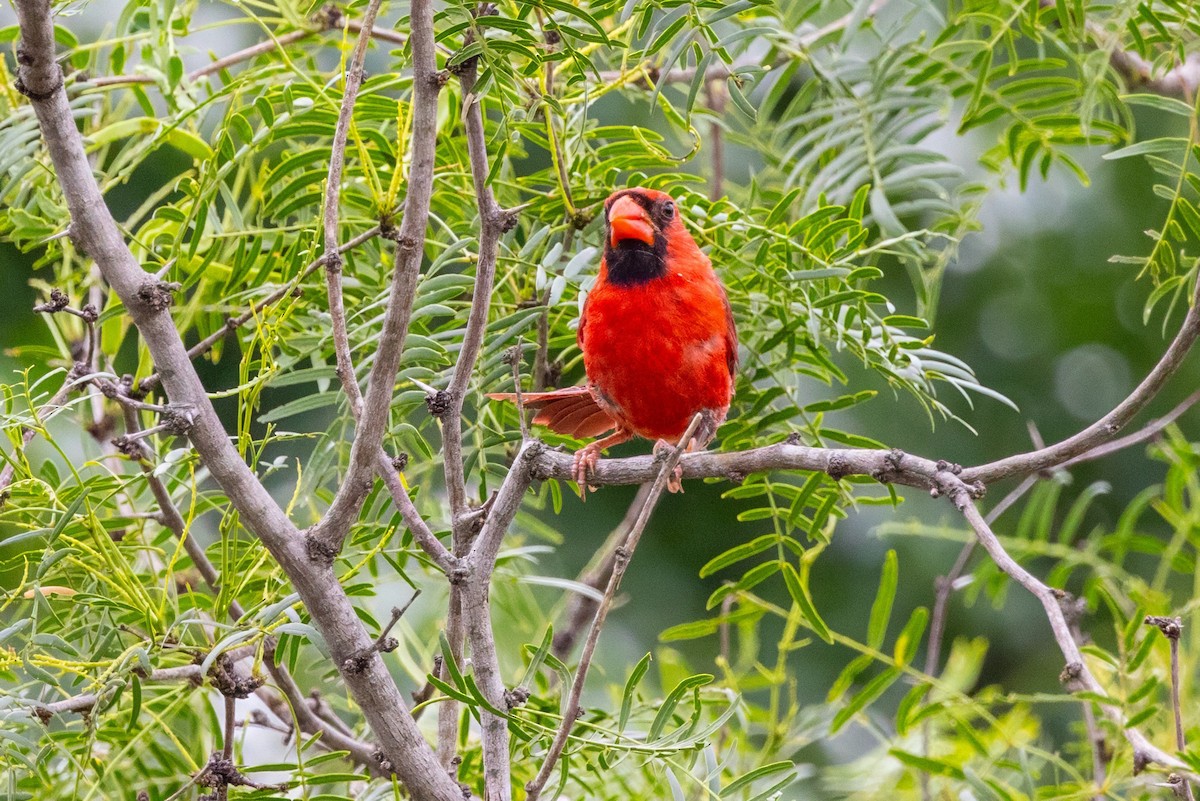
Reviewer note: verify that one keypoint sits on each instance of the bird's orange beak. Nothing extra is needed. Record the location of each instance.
(628, 220)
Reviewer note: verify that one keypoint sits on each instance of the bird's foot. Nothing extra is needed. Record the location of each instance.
(663, 449)
(585, 463)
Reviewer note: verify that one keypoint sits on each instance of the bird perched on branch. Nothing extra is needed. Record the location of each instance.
(657, 334)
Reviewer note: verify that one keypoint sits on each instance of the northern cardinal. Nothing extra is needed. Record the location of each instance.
(657, 334)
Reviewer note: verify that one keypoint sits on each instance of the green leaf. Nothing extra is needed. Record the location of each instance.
(864, 697)
(667, 710)
(799, 592)
(631, 684)
(935, 767)
(746, 779)
(881, 610)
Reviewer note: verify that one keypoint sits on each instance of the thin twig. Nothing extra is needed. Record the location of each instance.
(1075, 610)
(1147, 432)
(332, 218)
(624, 554)
(308, 721)
(717, 95)
(1076, 675)
(230, 726)
(1181, 80)
(513, 357)
(331, 532)
(493, 223)
(1172, 629)
(1103, 429)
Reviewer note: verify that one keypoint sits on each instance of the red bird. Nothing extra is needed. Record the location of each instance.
(657, 334)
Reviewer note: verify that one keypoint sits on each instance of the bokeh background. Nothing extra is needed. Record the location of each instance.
(1032, 302)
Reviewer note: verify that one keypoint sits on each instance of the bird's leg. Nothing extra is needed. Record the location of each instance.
(710, 419)
(662, 449)
(586, 457)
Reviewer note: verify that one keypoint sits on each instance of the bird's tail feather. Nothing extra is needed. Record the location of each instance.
(571, 411)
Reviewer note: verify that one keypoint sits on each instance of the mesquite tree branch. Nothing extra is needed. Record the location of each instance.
(305, 719)
(581, 607)
(534, 788)
(333, 194)
(148, 302)
(1076, 675)
(494, 221)
(897, 467)
(332, 261)
(331, 532)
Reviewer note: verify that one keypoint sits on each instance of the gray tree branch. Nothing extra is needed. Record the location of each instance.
(148, 302)
(624, 553)
(330, 533)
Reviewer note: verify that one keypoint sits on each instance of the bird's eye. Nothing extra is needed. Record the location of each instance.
(668, 210)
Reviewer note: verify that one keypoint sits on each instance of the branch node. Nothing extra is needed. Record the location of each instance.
(157, 296)
(388, 229)
(1141, 761)
(333, 262)
(58, 301)
(1171, 627)
(515, 697)
(221, 773)
(24, 89)
(319, 550)
(400, 461)
(459, 574)
(438, 403)
(227, 681)
(837, 467)
(1071, 674)
(177, 418)
(384, 764)
(128, 447)
(507, 219)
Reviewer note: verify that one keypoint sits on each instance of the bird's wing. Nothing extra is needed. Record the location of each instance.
(571, 411)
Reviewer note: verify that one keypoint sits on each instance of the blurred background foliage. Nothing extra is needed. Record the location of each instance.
(978, 165)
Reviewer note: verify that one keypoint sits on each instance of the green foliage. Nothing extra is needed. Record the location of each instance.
(873, 135)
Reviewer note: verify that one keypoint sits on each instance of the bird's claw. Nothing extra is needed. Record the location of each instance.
(663, 449)
(585, 464)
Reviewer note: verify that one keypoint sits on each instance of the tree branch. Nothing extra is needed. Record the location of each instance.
(148, 302)
(307, 720)
(330, 533)
(1076, 675)
(333, 192)
(493, 223)
(624, 554)
(581, 608)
